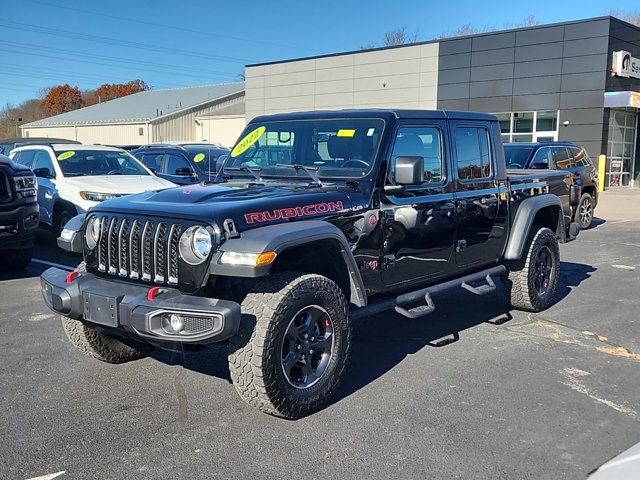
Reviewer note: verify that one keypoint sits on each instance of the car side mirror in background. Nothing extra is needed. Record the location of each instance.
(43, 173)
(409, 170)
(184, 171)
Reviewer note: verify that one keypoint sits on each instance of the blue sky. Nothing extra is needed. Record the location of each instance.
(193, 42)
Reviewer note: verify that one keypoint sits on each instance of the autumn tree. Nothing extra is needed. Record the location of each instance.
(110, 91)
(62, 98)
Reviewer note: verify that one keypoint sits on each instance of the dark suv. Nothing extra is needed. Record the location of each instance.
(560, 156)
(182, 164)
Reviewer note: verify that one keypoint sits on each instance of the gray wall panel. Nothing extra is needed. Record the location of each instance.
(493, 41)
(583, 81)
(544, 101)
(528, 86)
(582, 116)
(582, 133)
(492, 57)
(595, 28)
(539, 52)
(593, 98)
(538, 68)
(460, 104)
(455, 75)
(540, 35)
(458, 60)
(449, 47)
(492, 88)
(589, 63)
(453, 91)
(586, 46)
(491, 104)
(492, 72)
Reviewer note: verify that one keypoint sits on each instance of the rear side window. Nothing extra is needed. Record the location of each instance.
(472, 153)
(561, 156)
(579, 157)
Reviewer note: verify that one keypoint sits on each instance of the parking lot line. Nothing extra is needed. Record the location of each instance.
(51, 264)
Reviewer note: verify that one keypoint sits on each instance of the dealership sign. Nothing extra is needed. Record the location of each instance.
(624, 65)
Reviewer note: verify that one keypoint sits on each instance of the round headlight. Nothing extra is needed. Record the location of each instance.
(195, 245)
(92, 233)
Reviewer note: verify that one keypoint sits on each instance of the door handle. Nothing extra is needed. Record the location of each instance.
(491, 200)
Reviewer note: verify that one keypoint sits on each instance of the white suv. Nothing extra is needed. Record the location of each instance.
(73, 178)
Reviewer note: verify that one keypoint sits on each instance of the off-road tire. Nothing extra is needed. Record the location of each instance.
(97, 344)
(586, 220)
(518, 281)
(255, 352)
(16, 260)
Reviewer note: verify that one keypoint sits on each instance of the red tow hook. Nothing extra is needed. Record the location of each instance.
(71, 276)
(153, 293)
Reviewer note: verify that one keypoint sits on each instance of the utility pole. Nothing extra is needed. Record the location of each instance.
(18, 120)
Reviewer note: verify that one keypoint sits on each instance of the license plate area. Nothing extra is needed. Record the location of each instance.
(100, 309)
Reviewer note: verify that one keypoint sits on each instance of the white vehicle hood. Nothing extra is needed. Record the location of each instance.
(121, 184)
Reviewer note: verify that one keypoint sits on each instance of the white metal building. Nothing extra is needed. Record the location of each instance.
(146, 117)
(223, 125)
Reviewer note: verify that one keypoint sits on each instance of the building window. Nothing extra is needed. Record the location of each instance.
(529, 126)
(140, 131)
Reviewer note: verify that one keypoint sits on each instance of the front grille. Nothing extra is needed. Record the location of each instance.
(139, 249)
(5, 189)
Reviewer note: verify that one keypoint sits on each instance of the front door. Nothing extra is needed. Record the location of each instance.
(478, 198)
(418, 222)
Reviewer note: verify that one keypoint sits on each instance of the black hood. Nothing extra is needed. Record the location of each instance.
(248, 205)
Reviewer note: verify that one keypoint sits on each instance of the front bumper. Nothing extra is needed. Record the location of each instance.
(127, 310)
(18, 226)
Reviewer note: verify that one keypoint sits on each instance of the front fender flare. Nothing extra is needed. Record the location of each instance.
(527, 210)
(280, 237)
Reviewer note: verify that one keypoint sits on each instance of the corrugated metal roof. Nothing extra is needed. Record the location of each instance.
(233, 109)
(143, 106)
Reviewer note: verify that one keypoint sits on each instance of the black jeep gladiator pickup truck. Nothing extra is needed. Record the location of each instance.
(19, 215)
(355, 213)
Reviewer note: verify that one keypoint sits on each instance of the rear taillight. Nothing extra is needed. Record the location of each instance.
(575, 192)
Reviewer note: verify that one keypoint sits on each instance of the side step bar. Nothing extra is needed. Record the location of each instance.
(424, 295)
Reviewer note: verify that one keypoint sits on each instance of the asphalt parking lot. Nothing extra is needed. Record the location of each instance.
(517, 396)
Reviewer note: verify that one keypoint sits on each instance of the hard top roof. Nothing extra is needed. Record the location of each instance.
(392, 114)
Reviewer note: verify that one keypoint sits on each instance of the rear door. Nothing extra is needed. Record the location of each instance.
(479, 237)
(47, 192)
(418, 222)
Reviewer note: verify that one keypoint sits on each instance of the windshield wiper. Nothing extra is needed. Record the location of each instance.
(308, 170)
(253, 171)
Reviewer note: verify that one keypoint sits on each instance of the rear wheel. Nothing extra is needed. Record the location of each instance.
(584, 213)
(293, 344)
(62, 217)
(531, 281)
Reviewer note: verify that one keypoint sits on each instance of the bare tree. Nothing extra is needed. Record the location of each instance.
(632, 17)
(399, 36)
(469, 29)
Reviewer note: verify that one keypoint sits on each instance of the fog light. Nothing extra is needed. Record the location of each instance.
(176, 322)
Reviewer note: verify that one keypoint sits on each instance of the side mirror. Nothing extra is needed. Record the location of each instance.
(43, 173)
(184, 171)
(409, 170)
(539, 166)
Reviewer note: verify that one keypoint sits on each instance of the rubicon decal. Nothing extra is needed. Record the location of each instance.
(293, 212)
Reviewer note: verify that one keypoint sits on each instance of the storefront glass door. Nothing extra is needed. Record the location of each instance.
(621, 148)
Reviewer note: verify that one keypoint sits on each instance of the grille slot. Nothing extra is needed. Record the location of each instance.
(139, 249)
(5, 189)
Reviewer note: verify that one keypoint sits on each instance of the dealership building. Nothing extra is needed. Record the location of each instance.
(577, 81)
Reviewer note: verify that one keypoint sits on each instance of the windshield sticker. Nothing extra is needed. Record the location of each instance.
(248, 140)
(370, 132)
(198, 158)
(65, 155)
(346, 132)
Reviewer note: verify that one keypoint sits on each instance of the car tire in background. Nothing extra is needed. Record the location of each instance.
(293, 344)
(584, 212)
(16, 260)
(62, 216)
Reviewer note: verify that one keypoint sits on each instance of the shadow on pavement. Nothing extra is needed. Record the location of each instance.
(596, 222)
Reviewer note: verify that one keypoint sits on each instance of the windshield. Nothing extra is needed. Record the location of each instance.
(205, 157)
(98, 162)
(515, 156)
(343, 148)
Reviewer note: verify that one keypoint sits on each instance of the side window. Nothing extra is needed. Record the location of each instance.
(425, 142)
(578, 157)
(472, 153)
(174, 162)
(561, 157)
(42, 159)
(152, 161)
(25, 157)
(543, 159)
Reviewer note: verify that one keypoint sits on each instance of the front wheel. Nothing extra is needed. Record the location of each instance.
(531, 281)
(293, 344)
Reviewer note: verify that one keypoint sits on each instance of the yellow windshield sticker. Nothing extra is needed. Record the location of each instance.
(346, 132)
(198, 158)
(248, 140)
(65, 155)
